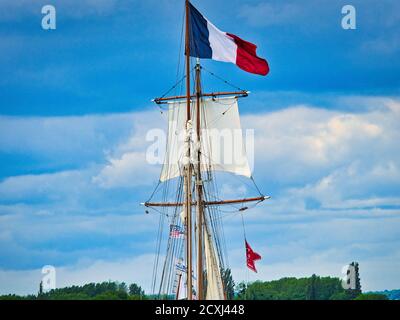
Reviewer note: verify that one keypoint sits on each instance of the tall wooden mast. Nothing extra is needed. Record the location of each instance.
(188, 169)
(199, 188)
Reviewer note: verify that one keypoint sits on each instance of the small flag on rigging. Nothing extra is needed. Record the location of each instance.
(176, 232)
(180, 266)
(251, 256)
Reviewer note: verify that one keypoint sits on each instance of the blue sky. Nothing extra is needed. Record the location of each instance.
(75, 108)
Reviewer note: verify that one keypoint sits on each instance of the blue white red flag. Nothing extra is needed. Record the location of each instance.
(208, 42)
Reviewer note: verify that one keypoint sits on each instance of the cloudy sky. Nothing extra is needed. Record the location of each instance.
(75, 108)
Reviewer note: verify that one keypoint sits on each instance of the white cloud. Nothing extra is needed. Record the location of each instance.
(80, 141)
(131, 169)
(336, 172)
(75, 138)
(354, 186)
(52, 186)
(301, 143)
(127, 163)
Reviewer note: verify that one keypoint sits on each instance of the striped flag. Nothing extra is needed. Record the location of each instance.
(208, 42)
(176, 232)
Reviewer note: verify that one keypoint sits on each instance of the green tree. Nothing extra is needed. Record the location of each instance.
(342, 295)
(118, 295)
(122, 287)
(228, 282)
(371, 296)
(311, 291)
(312, 288)
(40, 293)
(241, 291)
(135, 290)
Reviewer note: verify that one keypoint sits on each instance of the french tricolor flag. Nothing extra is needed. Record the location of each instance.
(208, 42)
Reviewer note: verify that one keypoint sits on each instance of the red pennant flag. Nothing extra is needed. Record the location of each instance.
(251, 256)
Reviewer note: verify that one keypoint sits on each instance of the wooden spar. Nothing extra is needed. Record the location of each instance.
(221, 202)
(199, 190)
(207, 203)
(211, 94)
(188, 171)
(179, 285)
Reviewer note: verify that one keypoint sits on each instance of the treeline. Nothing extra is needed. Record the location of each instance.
(311, 288)
(91, 291)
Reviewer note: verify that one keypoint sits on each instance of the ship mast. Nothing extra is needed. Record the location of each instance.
(199, 189)
(192, 170)
(188, 176)
(187, 168)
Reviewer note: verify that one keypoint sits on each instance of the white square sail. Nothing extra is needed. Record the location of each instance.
(221, 145)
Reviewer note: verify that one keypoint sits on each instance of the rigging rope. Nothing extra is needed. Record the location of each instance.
(173, 188)
(165, 191)
(174, 86)
(247, 270)
(222, 79)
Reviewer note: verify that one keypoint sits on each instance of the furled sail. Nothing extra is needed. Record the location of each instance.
(221, 145)
(214, 281)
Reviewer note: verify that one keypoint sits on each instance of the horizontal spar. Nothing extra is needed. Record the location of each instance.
(212, 94)
(206, 203)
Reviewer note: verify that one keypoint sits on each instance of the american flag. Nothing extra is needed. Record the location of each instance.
(176, 231)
